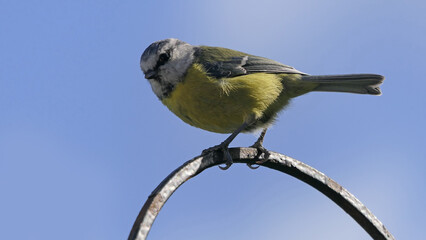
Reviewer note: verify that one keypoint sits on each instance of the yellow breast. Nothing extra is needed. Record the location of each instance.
(222, 105)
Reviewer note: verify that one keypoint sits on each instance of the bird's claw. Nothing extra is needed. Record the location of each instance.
(227, 157)
(260, 150)
(257, 164)
(227, 165)
(226, 154)
(252, 166)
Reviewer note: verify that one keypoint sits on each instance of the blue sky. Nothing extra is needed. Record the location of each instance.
(83, 140)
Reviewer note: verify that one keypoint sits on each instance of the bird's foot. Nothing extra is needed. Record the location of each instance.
(260, 150)
(227, 156)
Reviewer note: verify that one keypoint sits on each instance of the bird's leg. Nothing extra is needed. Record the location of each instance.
(224, 146)
(260, 149)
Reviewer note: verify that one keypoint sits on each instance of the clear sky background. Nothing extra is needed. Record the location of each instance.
(83, 140)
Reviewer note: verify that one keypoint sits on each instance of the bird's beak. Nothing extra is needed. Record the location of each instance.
(150, 74)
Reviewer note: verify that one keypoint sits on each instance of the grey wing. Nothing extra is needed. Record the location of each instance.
(248, 64)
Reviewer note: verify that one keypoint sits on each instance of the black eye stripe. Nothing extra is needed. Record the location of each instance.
(162, 59)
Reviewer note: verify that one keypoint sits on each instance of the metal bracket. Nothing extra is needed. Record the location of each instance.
(342, 197)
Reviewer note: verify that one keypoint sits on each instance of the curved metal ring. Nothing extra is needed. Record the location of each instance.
(342, 197)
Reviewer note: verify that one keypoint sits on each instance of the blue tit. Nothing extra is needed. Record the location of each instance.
(226, 91)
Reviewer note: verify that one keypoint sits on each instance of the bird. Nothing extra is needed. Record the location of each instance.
(227, 91)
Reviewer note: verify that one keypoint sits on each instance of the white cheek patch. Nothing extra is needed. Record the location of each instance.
(174, 71)
(156, 88)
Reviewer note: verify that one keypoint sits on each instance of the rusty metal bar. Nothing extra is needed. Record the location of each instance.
(342, 197)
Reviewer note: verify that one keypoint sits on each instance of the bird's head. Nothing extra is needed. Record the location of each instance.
(165, 64)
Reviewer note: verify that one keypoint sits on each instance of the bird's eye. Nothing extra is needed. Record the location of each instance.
(164, 57)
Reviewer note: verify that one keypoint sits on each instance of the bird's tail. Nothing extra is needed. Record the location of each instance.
(353, 83)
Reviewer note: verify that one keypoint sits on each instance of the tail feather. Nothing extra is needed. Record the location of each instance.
(353, 83)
